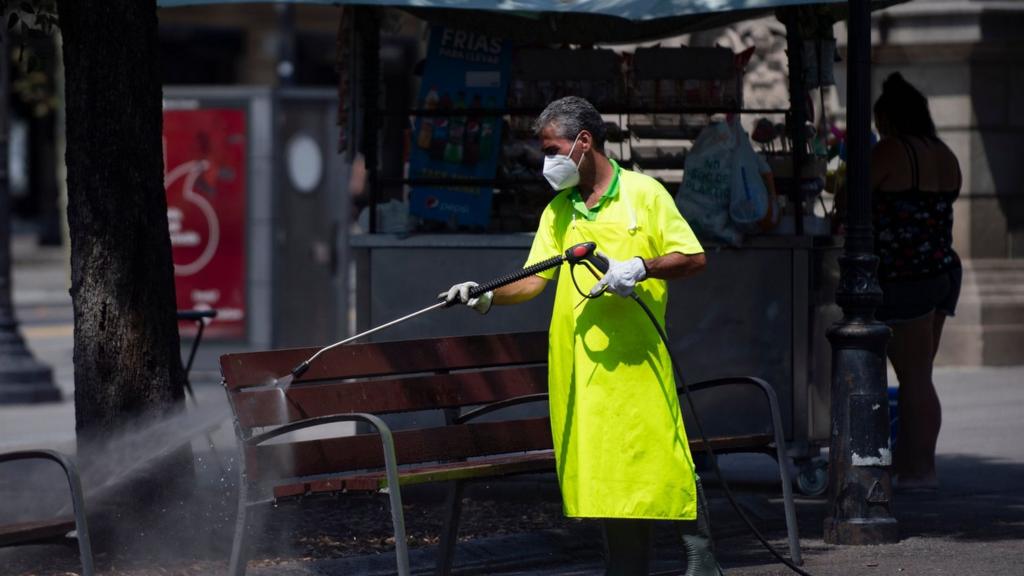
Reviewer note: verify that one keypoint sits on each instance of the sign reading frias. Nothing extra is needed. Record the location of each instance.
(464, 71)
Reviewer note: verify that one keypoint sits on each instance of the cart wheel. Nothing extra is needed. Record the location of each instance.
(812, 479)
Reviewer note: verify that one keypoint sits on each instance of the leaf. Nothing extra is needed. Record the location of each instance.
(27, 8)
(13, 20)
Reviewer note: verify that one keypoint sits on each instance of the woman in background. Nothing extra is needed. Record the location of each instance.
(915, 178)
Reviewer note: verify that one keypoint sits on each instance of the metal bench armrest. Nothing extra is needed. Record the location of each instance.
(390, 466)
(764, 387)
(780, 447)
(77, 498)
(499, 405)
(297, 425)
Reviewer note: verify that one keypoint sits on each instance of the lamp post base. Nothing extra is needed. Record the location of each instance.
(24, 380)
(861, 531)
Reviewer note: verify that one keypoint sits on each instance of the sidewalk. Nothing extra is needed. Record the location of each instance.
(973, 525)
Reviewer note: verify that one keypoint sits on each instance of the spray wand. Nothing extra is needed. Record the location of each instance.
(583, 252)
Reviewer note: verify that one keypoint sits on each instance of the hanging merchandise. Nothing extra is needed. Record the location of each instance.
(725, 191)
(748, 198)
(819, 62)
(816, 24)
(705, 193)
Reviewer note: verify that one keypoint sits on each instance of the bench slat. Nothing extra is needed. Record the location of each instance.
(731, 443)
(363, 451)
(384, 358)
(267, 407)
(483, 468)
(542, 461)
(38, 531)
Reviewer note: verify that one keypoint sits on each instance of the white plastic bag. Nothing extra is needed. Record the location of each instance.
(705, 195)
(748, 200)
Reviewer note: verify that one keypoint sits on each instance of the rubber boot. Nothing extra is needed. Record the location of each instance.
(700, 557)
(700, 561)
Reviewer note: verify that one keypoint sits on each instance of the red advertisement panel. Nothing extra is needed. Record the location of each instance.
(205, 169)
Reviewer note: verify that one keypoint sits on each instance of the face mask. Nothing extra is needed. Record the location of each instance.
(560, 171)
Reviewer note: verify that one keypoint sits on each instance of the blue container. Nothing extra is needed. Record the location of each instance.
(894, 415)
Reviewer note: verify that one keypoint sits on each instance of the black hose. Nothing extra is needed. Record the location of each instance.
(517, 275)
(707, 445)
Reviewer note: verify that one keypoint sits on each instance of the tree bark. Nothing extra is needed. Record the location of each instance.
(127, 356)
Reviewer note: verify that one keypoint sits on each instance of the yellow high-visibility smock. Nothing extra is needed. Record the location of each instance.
(619, 439)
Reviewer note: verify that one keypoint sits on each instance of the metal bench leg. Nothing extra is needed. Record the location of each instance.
(398, 520)
(81, 525)
(239, 551)
(394, 491)
(790, 506)
(787, 484)
(450, 532)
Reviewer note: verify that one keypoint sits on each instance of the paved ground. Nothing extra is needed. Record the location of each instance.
(973, 525)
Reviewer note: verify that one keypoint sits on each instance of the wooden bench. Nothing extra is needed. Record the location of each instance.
(465, 378)
(52, 530)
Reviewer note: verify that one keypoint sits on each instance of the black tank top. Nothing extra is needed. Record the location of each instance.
(913, 229)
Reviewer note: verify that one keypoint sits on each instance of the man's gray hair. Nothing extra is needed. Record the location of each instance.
(571, 115)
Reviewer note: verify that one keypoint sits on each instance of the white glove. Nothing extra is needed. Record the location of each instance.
(460, 293)
(621, 277)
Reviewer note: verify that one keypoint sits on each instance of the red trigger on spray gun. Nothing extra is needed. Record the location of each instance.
(585, 253)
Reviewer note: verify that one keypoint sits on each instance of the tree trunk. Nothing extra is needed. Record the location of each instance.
(127, 357)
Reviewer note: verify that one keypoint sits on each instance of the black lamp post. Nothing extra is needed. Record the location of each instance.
(860, 490)
(22, 378)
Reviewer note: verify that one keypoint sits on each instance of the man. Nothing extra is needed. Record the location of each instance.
(620, 445)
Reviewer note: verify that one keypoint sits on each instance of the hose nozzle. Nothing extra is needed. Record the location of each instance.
(300, 369)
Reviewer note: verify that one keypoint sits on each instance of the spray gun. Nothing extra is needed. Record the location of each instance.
(576, 254)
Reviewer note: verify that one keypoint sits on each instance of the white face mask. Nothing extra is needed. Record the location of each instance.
(560, 171)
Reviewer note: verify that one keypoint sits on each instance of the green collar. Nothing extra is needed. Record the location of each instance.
(590, 214)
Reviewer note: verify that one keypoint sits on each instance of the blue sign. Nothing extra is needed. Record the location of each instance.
(464, 71)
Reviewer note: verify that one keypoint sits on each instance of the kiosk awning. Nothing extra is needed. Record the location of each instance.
(575, 21)
(635, 10)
